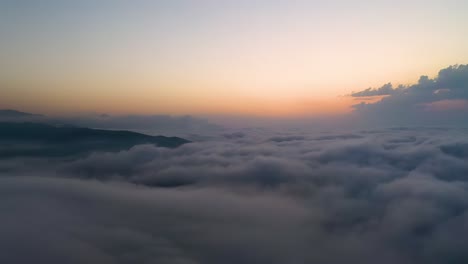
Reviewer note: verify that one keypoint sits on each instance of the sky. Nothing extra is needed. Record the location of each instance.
(289, 131)
(255, 58)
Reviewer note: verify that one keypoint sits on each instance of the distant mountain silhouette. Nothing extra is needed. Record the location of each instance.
(14, 113)
(37, 139)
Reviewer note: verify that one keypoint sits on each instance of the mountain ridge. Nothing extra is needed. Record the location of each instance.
(57, 140)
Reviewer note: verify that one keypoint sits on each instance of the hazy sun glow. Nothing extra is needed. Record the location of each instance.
(273, 58)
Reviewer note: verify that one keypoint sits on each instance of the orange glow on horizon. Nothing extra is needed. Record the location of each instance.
(150, 101)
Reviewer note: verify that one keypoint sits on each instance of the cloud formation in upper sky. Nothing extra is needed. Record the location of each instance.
(439, 101)
(386, 89)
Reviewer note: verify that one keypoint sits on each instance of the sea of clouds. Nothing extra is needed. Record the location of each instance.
(395, 195)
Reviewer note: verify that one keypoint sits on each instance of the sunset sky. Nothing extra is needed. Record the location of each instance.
(243, 57)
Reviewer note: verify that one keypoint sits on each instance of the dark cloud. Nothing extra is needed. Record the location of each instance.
(386, 89)
(286, 138)
(234, 135)
(379, 196)
(439, 101)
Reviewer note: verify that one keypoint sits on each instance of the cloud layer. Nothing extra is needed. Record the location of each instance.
(375, 196)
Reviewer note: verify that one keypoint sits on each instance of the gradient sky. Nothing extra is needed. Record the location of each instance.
(242, 57)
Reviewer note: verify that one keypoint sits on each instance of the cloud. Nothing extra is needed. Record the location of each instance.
(386, 89)
(447, 105)
(387, 196)
(70, 221)
(438, 101)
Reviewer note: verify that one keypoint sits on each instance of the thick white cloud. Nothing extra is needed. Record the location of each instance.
(375, 196)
